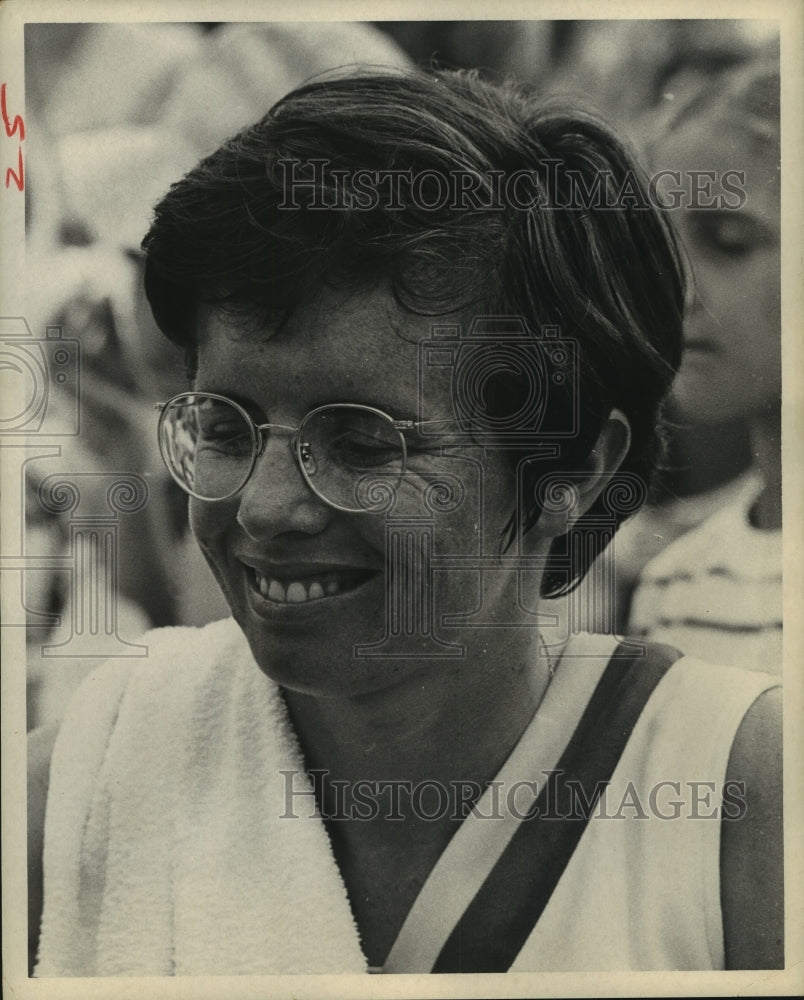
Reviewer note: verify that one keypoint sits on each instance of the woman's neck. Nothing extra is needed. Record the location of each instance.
(451, 721)
(420, 752)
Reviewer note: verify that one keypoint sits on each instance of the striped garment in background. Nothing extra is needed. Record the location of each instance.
(716, 592)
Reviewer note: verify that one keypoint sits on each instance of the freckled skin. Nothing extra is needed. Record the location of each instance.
(362, 349)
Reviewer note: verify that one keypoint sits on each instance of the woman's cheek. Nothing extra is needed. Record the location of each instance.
(211, 520)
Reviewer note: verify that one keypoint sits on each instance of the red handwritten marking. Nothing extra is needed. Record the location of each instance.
(15, 128)
(18, 123)
(19, 179)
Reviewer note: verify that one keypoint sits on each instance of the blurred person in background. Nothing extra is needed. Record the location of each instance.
(665, 64)
(717, 590)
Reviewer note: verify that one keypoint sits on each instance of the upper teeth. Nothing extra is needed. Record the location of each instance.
(296, 592)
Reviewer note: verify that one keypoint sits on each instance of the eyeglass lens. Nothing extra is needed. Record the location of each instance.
(209, 445)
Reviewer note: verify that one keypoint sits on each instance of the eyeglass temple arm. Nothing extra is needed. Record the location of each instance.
(409, 425)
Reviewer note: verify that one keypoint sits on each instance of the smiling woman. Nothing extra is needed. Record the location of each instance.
(409, 422)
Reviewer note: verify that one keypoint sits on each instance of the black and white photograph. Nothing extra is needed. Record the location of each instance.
(400, 435)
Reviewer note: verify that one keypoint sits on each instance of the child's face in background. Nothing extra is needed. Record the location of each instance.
(732, 358)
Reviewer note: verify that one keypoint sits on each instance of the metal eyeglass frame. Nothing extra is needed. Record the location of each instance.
(259, 439)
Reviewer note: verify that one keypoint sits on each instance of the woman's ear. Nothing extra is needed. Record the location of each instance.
(566, 496)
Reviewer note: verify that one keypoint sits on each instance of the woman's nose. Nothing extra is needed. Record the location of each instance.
(276, 499)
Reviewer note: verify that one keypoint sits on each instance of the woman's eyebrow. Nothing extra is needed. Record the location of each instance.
(400, 412)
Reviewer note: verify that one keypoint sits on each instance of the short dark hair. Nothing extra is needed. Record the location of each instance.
(605, 272)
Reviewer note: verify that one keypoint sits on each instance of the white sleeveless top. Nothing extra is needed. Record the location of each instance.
(169, 851)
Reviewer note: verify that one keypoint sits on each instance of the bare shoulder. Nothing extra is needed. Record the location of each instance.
(751, 861)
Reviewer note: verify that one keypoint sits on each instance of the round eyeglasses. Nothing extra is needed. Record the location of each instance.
(211, 445)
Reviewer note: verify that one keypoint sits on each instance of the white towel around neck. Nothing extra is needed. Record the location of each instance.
(168, 848)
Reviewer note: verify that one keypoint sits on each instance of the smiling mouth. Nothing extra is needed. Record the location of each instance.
(304, 589)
